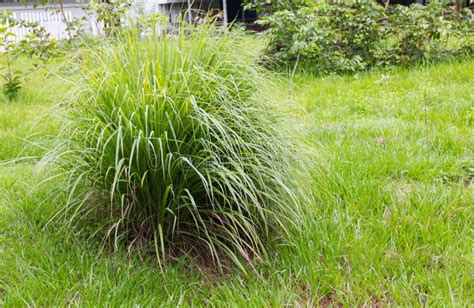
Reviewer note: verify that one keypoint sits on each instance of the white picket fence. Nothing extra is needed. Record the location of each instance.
(54, 21)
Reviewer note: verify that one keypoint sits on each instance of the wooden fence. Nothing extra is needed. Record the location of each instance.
(54, 21)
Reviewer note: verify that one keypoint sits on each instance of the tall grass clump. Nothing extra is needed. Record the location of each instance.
(168, 146)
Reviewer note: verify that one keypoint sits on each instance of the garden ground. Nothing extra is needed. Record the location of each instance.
(392, 222)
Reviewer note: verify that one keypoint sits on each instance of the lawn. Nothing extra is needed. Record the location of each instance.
(392, 222)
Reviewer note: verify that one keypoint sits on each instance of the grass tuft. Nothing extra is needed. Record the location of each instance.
(168, 145)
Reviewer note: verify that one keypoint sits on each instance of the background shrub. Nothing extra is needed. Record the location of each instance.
(340, 37)
(266, 6)
(427, 33)
(173, 152)
(327, 37)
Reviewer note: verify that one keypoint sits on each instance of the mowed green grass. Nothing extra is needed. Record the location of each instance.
(392, 221)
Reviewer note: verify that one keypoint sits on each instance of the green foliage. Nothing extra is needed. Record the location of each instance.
(167, 129)
(329, 37)
(269, 6)
(76, 28)
(428, 33)
(275, 5)
(110, 13)
(37, 44)
(350, 36)
(12, 85)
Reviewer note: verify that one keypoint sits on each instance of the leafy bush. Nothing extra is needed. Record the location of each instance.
(274, 5)
(428, 33)
(110, 13)
(328, 37)
(37, 44)
(354, 35)
(169, 131)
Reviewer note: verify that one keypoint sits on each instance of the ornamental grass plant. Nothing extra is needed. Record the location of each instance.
(168, 146)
